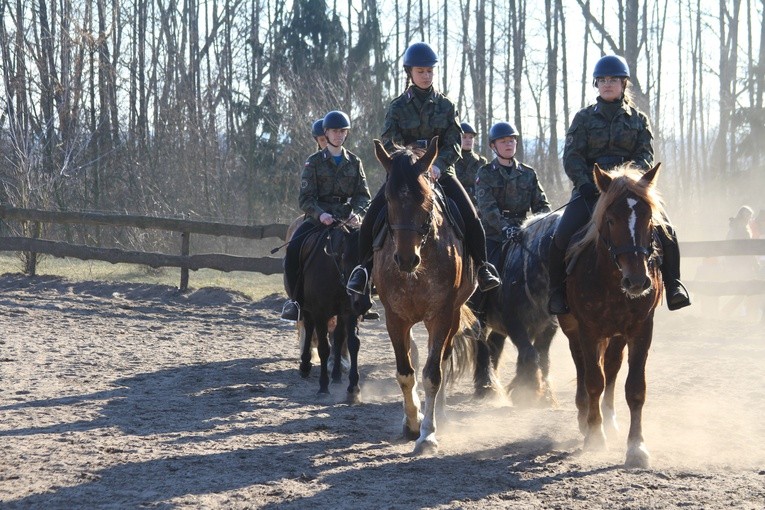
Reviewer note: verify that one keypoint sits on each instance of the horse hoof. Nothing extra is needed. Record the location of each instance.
(427, 446)
(354, 396)
(486, 392)
(323, 393)
(595, 441)
(638, 457)
(411, 435)
(305, 369)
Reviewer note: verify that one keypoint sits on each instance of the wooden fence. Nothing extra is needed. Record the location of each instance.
(218, 261)
(273, 265)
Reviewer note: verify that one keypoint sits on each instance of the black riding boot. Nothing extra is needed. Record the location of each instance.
(677, 295)
(359, 279)
(557, 259)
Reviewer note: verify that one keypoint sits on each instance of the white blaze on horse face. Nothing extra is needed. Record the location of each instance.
(631, 202)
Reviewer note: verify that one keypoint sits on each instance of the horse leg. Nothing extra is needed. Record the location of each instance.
(307, 346)
(439, 337)
(353, 343)
(338, 343)
(485, 380)
(594, 381)
(571, 329)
(637, 453)
(526, 387)
(542, 345)
(401, 338)
(323, 335)
(612, 362)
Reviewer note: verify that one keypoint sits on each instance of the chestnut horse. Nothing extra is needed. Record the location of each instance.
(422, 274)
(613, 289)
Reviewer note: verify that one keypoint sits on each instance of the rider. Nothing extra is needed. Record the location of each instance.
(317, 131)
(506, 190)
(471, 161)
(413, 118)
(610, 132)
(333, 187)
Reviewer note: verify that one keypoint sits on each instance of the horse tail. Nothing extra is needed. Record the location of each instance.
(462, 359)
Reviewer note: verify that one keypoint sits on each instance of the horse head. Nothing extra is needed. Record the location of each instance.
(624, 220)
(409, 197)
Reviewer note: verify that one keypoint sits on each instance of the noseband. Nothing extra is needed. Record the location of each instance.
(646, 251)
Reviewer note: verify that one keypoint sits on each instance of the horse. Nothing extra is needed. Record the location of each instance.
(422, 274)
(326, 258)
(300, 327)
(613, 287)
(518, 309)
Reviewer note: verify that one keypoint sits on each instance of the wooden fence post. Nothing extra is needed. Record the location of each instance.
(31, 258)
(185, 252)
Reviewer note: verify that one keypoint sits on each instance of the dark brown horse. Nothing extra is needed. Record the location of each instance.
(613, 290)
(422, 274)
(326, 258)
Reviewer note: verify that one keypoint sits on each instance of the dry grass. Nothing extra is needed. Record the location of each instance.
(254, 285)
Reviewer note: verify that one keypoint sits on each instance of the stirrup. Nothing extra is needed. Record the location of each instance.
(355, 288)
(682, 298)
(556, 304)
(286, 317)
(490, 279)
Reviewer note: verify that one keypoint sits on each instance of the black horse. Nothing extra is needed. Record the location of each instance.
(326, 259)
(518, 309)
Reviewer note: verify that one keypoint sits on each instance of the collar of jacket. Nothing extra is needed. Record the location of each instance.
(328, 155)
(625, 107)
(410, 95)
(499, 167)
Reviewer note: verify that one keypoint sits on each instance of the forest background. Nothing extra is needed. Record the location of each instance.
(203, 109)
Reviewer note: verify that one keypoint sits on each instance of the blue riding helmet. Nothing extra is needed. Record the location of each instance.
(501, 130)
(467, 128)
(317, 129)
(336, 120)
(611, 65)
(420, 55)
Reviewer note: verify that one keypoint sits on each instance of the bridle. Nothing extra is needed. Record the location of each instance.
(424, 229)
(615, 251)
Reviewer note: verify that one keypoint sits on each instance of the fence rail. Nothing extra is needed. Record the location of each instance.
(218, 261)
(272, 265)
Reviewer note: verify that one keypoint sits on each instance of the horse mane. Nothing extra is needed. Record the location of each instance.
(625, 180)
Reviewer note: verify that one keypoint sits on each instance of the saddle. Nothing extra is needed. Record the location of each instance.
(447, 205)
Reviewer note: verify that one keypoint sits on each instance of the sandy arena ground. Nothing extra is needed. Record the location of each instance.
(132, 396)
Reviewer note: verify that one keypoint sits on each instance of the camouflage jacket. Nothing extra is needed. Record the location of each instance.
(505, 198)
(335, 189)
(467, 169)
(593, 138)
(407, 121)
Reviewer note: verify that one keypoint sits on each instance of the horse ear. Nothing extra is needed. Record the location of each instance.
(649, 178)
(427, 159)
(602, 179)
(382, 155)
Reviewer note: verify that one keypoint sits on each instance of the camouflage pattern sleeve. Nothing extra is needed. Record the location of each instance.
(450, 150)
(309, 192)
(575, 151)
(643, 156)
(539, 202)
(391, 134)
(361, 197)
(491, 216)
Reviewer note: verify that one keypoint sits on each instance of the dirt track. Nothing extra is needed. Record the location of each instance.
(125, 396)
